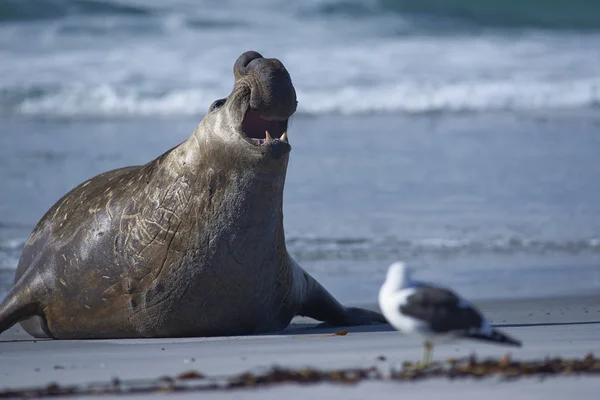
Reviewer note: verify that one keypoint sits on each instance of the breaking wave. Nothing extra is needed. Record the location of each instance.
(35, 10)
(433, 14)
(546, 14)
(305, 249)
(408, 97)
(105, 58)
(317, 249)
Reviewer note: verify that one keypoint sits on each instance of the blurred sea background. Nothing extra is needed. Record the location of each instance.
(462, 136)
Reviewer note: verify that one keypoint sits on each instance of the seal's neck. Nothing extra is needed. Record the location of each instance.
(247, 190)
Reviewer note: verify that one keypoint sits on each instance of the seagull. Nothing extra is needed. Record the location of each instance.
(435, 313)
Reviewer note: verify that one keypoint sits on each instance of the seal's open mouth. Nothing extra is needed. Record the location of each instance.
(260, 131)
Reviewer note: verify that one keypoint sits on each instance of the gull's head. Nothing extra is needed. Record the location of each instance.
(398, 275)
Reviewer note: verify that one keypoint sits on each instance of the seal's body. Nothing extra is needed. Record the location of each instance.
(190, 244)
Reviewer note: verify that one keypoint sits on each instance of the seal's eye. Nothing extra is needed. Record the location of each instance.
(217, 103)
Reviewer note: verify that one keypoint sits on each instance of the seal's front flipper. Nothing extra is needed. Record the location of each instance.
(319, 304)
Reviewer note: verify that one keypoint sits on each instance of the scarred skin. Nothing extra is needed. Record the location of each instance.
(190, 244)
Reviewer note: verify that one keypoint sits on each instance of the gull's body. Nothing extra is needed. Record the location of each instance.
(437, 314)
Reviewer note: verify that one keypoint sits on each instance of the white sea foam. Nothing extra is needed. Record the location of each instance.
(105, 100)
(405, 97)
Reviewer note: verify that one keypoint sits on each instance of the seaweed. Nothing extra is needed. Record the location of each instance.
(505, 368)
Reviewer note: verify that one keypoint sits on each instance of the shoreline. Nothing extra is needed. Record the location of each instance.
(566, 327)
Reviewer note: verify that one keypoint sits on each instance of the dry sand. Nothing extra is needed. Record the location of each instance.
(567, 327)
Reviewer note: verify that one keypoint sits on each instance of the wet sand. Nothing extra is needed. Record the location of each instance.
(567, 327)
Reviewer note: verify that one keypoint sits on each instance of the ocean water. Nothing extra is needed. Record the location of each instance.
(461, 136)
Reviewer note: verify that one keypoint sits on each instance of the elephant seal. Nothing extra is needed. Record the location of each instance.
(189, 244)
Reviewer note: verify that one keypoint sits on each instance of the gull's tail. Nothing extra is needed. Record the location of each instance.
(494, 336)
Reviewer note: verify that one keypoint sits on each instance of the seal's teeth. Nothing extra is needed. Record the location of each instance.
(283, 137)
(268, 136)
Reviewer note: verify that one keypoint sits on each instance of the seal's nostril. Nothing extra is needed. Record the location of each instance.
(241, 64)
(271, 90)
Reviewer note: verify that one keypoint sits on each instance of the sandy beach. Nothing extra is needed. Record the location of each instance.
(567, 327)
(461, 137)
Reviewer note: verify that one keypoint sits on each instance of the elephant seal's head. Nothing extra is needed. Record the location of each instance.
(251, 123)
